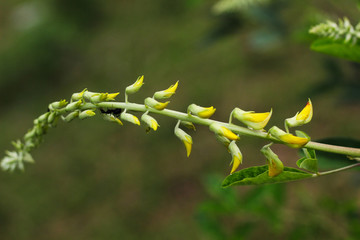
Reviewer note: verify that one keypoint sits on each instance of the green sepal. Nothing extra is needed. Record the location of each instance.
(309, 164)
(302, 134)
(259, 175)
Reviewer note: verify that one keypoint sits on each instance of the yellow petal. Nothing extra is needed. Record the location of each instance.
(229, 134)
(139, 82)
(208, 112)
(256, 117)
(294, 141)
(172, 88)
(111, 96)
(306, 112)
(90, 112)
(236, 163)
(188, 145)
(161, 106)
(118, 121)
(154, 125)
(275, 167)
(136, 120)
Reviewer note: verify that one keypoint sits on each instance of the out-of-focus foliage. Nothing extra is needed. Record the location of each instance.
(226, 6)
(269, 211)
(340, 40)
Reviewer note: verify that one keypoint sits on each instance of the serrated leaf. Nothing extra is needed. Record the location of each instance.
(337, 49)
(259, 175)
(309, 164)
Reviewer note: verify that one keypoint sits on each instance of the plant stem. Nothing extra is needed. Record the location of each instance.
(354, 152)
(337, 170)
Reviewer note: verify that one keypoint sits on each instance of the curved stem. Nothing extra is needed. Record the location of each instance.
(337, 170)
(354, 152)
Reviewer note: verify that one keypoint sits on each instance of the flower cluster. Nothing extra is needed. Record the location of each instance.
(84, 104)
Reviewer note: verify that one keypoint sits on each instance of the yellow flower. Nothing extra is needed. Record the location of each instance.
(301, 118)
(135, 86)
(150, 121)
(223, 131)
(236, 156)
(203, 112)
(185, 138)
(166, 93)
(275, 165)
(256, 121)
(287, 138)
(150, 102)
(130, 118)
(111, 96)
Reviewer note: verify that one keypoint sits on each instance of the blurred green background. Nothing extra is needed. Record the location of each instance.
(96, 180)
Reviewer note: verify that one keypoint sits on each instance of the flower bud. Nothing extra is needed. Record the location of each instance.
(275, 165)
(188, 125)
(152, 103)
(51, 117)
(111, 118)
(73, 106)
(43, 118)
(135, 87)
(130, 118)
(287, 138)
(203, 112)
(98, 97)
(256, 121)
(236, 156)
(166, 93)
(301, 118)
(71, 116)
(150, 121)
(58, 105)
(86, 114)
(223, 131)
(78, 96)
(185, 138)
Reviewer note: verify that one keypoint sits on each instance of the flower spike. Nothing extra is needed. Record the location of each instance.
(223, 131)
(160, 95)
(256, 121)
(275, 165)
(184, 137)
(236, 156)
(203, 112)
(135, 87)
(287, 138)
(301, 118)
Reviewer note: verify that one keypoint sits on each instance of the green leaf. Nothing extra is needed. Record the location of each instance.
(259, 175)
(337, 49)
(309, 164)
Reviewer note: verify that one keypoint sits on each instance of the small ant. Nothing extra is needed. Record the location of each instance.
(113, 111)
